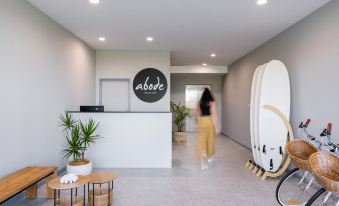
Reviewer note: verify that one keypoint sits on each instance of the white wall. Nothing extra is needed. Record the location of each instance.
(125, 65)
(310, 50)
(44, 71)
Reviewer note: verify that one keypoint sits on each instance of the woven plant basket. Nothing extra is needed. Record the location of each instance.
(325, 168)
(300, 151)
(65, 201)
(100, 197)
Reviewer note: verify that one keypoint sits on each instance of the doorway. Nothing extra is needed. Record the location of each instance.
(192, 95)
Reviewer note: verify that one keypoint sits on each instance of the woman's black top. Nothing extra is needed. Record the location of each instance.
(205, 109)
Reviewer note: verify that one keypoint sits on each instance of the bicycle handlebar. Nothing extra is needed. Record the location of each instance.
(321, 143)
(327, 132)
(302, 125)
(303, 128)
(323, 133)
(329, 128)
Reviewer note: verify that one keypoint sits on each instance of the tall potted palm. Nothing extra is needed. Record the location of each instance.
(79, 137)
(180, 113)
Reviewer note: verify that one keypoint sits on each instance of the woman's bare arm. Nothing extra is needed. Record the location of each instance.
(197, 112)
(215, 116)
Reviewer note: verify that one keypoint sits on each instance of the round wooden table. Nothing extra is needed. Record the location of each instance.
(100, 196)
(69, 200)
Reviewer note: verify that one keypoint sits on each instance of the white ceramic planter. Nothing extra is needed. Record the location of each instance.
(84, 169)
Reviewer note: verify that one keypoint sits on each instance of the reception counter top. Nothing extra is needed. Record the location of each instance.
(131, 139)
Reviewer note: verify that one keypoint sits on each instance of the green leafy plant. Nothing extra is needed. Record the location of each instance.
(79, 136)
(181, 112)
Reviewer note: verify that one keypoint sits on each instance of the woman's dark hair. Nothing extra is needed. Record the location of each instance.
(206, 97)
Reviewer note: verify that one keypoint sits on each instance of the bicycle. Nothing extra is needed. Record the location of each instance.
(297, 186)
(326, 172)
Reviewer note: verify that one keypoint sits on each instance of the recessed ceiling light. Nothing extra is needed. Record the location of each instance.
(149, 39)
(102, 39)
(94, 1)
(261, 2)
(213, 55)
(204, 64)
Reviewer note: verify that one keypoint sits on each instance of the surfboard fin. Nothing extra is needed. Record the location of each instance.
(264, 149)
(271, 164)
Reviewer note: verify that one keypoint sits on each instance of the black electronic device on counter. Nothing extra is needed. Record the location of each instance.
(91, 108)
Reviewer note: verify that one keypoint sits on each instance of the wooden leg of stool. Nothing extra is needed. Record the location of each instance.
(32, 192)
(50, 192)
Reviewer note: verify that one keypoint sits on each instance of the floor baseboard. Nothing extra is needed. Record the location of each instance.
(236, 141)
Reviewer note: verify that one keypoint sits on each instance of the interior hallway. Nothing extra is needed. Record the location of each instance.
(225, 183)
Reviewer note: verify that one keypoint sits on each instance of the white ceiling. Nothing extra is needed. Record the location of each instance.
(190, 29)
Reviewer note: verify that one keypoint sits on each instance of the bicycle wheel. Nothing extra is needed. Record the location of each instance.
(321, 197)
(295, 188)
(315, 196)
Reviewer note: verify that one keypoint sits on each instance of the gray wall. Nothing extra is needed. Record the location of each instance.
(125, 65)
(178, 82)
(310, 50)
(44, 71)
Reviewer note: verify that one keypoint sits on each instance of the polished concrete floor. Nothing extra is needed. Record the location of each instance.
(225, 183)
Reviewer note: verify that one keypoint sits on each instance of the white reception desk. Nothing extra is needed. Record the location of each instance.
(131, 140)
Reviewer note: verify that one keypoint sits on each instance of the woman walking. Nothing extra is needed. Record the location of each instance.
(207, 127)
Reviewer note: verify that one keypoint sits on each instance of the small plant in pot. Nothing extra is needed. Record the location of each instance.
(79, 137)
(180, 113)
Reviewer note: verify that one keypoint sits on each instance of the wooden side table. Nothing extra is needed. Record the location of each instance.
(69, 200)
(100, 196)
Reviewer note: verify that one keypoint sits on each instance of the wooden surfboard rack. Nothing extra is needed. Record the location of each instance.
(256, 169)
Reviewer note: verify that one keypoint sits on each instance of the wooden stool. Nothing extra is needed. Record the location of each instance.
(102, 195)
(69, 200)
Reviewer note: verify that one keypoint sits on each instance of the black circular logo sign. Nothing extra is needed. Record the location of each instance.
(150, 85)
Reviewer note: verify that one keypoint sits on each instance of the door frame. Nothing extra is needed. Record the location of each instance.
(206, 85)
(119, 80)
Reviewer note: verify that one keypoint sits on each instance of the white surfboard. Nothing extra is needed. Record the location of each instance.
(253, 90)
(256, 113)
(253, 117)
(275, 91)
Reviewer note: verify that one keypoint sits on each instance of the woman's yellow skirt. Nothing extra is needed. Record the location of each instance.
(206, 137)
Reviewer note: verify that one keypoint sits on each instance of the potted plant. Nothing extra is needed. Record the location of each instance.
(79, 137)
(181, 112)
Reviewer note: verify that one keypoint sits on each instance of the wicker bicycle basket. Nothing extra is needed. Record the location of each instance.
(300, 151)
(325, 168)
